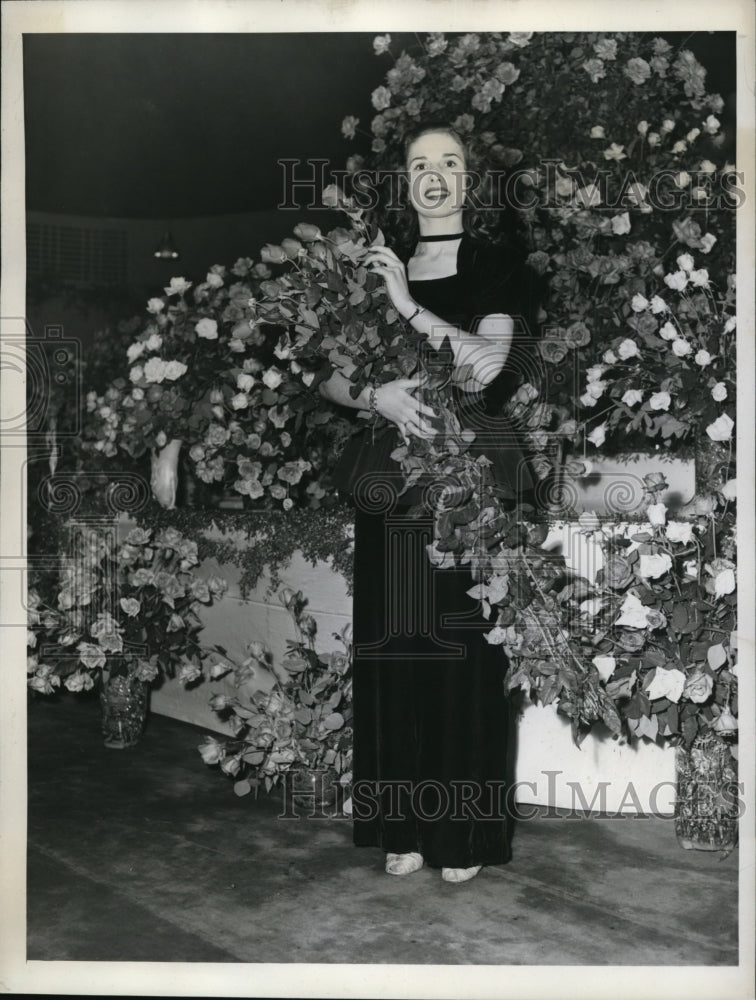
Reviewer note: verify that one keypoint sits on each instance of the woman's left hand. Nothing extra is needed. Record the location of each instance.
(383, 261)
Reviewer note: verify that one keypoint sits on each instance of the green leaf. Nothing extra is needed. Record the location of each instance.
(716, 656)
(334, 721)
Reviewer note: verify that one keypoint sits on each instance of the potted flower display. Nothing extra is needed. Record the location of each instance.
(299, 729)
(124, 614)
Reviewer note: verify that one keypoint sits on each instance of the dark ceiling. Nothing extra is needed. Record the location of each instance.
(164, 126)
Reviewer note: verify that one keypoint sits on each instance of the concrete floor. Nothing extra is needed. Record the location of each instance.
(147, 855)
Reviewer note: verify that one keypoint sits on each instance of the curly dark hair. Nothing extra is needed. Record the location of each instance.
(483, 218)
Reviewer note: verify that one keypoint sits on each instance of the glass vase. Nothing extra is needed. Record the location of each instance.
(706, 803)
(124, 700)
(313, 790)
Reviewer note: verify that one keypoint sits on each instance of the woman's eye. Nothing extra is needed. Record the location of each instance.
(421, 166)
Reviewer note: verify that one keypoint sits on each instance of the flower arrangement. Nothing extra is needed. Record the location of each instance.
(202, 373)
(128, 609)
(607, 202)
(302, 720)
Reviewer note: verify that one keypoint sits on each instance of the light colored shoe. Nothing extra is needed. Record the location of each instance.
(459, 874)
(403, 864)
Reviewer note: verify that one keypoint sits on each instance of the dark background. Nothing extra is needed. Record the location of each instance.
(164, 126)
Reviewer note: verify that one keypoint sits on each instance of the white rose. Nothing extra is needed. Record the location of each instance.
(240, 401)
(679, 147)
(597, 132)
(730, 324)
(667, 125)
(702, 358)
(178, 286)
(213, 279)
(724, 583)
(137, 393)
(588, 400)
(642, 127)
(596, 389)
(135, 350)
(676, 281)
(654, 566)
(632, 613)
(657, 513)
(632, 396)
(666, 684)
(154, 342)
(730, 490)
(681, 347)
(155, 306)
(610, 357)
(621, 224)
(245, 381)
(174, 370)
(711, 125)
(136, 373)
(308, 378)
(207, 328)
(628, 349)
(598, 435)
(594, 373)
(721, 429)
(691, 567)
(707, 242)
(659, 401)
(154, 370)
(668, 331)
(685, 262)
(272, 378)
(700, 278)
(719, 392)
(707, 166)
(605, 665)
(679, 532)
(682, 179)
(658, 305)
(638, 302)
(693, 134)
(653, 138)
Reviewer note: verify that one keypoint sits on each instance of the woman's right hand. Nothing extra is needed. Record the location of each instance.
(395, 401)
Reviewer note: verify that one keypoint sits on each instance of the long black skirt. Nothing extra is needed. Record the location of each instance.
(430, 711)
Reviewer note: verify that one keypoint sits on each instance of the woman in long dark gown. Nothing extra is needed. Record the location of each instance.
(430, 711)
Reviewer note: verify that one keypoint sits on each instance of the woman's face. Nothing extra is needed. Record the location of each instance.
(437, 177)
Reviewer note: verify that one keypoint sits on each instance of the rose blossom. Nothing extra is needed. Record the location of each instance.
(658, 305)
(655, 565)
(245, 381)
(702, 358)
(621, 224)
(628, 349)
(174, 370)
(719, 392)
(272, 378)
(632, 612)
(676, 281)
(178, 286)
(240, 401)
(682, 179)
(653, 138)
(615, 152)
(632, 396)
(681, 348)
(207, 328)
(610, 357)
(637, 70)
(597, 132)
(721, 429)
(679, 532)
(685, 262)
(666, 684)
(598, 435)
(381, 44)
(211, 751)
(639, 302)
(155, 306)
(700, 278)
(154, 370)
(659, 401)
(135, 350)
(605, 665)
(707, 242)
(657, 513)
(668, 331)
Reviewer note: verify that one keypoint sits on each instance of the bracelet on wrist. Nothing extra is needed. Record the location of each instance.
(416, 313)
(371, 403)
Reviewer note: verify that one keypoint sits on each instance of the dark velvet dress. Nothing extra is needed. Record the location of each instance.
(430, 712)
